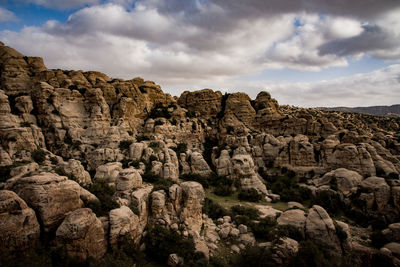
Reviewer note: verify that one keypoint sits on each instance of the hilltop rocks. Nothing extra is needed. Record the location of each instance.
(82, 235)
(239, 105)
(206, 102)
(296, 218)
(19, 228)
(52, 196)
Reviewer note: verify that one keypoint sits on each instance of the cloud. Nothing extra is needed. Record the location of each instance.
(6, 15)
(61, 4)
(380, 87)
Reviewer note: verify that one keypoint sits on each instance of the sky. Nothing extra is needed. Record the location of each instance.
(307, 53)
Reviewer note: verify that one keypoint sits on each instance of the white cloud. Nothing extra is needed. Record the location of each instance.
(7, 15)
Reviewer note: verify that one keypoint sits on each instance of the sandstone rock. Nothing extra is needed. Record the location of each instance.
(75, 168)
(128, 179)
(81, 234)
(294, 218)
(52, 196)
(174, 260)
(295, 205)
(108, 172)
(239, 105)
(267, 211)
(321, 229)
(347, 181)
(140, 203)
(123, 224)
(193, 195)
(205, 102)
(380, 190)
(223, 164)
(244, 173)
(285, 249)
(199, 165)
(19, 228)
(394, 248)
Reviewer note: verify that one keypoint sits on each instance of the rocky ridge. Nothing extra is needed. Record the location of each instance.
(93, 163)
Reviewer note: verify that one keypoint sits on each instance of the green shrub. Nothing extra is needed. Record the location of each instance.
(180, 148)
(329, 200)
(254, 256)
(214, 210)
(250, 195)
(124, 145)
(39, 156)
(159, 111)
(25, 124)
(290, 231)
(160, 243)
(5, 172)
(378, 239)
(190, 114)
(140, 138)
(223, 190)
(158, 122)
(264, 229)
(104, 193)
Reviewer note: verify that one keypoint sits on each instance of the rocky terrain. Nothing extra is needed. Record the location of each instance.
(98, 171)
(391, 111)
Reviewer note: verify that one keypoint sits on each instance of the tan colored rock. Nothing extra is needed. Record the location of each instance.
(347, 181)
(224, 164)
(321, 229)
(199, 165)
(140, 204)
(52, 196)
(244, 173)
(123, 224)
(108, 172)
(380, 190)
(75, 168)
(19, 228)
(82, 235)
(239, 105)
(206, 102)
(128, 179)
(294, 218)
(193, 195)
(267, 211)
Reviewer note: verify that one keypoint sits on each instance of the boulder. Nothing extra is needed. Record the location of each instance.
(347, 181)
(199, 165)
(19, 228)
(321, 230)
(52, 196)
(82, 235)
(123, 224)
(245, 174)
(128, 179)
(77, 171)
(108, 172)
(295, 218)
(380, 190)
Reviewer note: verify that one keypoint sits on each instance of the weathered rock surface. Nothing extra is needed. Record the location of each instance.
(19, 228)
(52, 196)
(81, 234)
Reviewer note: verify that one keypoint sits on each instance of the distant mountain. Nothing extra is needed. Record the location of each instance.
(390, 111)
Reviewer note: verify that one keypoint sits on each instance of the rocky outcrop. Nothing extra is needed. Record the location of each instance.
(243, 172)
(320, 228)
(75, 169)
(52, 196)
(124, 224)
(205, 102)
(199, 165)
(82, 235)
(19, 228)
(346, 181)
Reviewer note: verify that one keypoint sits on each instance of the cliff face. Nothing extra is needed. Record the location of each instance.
(62, 130)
